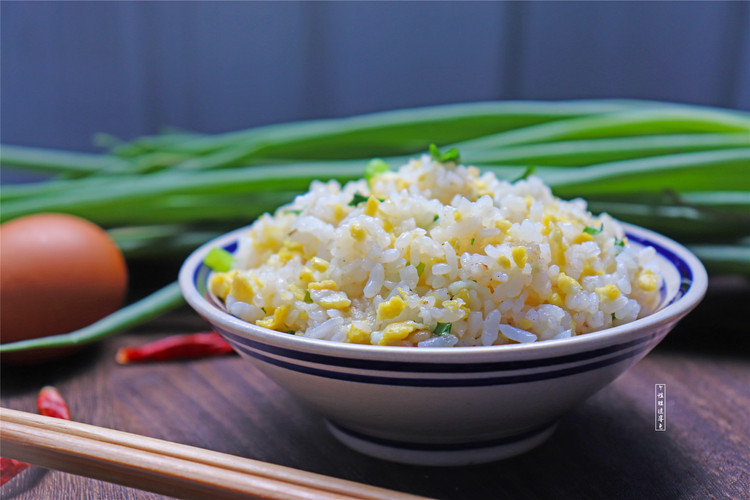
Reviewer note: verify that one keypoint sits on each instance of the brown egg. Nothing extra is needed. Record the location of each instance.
(58, 273)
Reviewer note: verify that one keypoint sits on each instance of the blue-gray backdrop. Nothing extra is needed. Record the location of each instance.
(71, 69)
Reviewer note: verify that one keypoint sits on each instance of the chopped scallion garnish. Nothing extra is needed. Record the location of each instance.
(360, 198)
(593, 230)
(219, 260)
(442, 329)
(420, 268)
(357, 199)
(452, 155)
(374, 168)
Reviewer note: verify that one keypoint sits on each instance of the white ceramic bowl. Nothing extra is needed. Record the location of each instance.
(450, 406)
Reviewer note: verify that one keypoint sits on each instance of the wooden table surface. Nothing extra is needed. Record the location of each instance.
(606, 448)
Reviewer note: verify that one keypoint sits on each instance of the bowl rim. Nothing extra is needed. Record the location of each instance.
(672, 312)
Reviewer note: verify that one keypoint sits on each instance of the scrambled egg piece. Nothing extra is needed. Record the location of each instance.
(582, 237)
(336, 300)
(242, 289)
(567, 285)
(372, 206)
(648, 280)
(357, 232)
(276, 320)
(397, 331)
(519, 255)
(323, 285)
(306, 274)
(221, 283)
(607, 293)
(319, 264)
(357, 335)
(339, 212)
(555, 299)
(456, 306)
(391, 308)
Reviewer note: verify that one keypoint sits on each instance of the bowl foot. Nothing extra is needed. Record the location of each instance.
(442, 454)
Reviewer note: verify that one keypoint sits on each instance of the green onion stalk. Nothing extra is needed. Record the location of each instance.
(680, 170)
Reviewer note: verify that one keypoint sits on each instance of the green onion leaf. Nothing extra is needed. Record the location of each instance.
(308, 299)
(219, 260)
(442, 329)
(525, 175)
(619, 242)
(290, 211)
(472, 241)
(451, 155)
(435, 218)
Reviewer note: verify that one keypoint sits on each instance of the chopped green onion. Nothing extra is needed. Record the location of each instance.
(472, 241)
(593, 230)
(375, 168)
(357, 199)
(308, 298)
(219, 260)
(291, 211)
(435, 218)
(442, 329)
(450, 156)
(420, 268)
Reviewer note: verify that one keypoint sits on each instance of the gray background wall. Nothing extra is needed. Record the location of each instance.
(71, 69)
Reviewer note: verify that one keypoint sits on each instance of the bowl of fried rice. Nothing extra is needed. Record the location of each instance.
(437, 315)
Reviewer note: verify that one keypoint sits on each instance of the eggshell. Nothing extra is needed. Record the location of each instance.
(58, 273)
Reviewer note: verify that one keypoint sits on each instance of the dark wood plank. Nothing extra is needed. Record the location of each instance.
(605, 448)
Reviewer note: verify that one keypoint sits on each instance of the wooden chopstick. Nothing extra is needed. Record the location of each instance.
(163, 467)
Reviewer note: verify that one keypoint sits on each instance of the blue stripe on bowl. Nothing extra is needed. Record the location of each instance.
(471, 445)
(444, 367)
(423, 379)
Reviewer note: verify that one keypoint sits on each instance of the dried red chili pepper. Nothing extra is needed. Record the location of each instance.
(50, 403)
(192, 345)
(10, 468)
